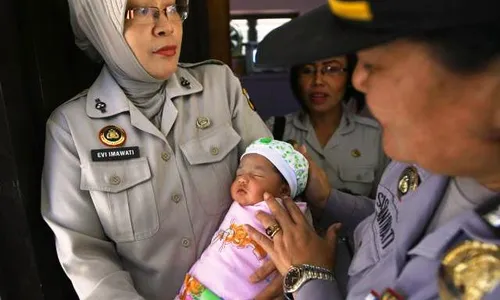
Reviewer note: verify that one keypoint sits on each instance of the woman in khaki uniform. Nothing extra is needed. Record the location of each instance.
(138, 167)
(346, 146)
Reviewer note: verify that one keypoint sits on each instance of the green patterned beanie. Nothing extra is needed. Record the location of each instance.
(290, 162)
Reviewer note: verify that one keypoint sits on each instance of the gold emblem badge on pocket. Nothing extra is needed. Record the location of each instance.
(112, 136)
(408, 181)
(469, 271)
(356, 153)
(203, 123)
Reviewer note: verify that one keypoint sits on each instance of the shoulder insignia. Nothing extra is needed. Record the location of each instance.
(201, 63)
(366, 121)
(247, 96)
(79, 95)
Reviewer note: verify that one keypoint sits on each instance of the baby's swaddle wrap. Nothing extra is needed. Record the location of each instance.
(226, 265)
(224, 268)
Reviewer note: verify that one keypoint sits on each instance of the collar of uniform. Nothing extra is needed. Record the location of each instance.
(176, 89)
(109, 92)
(302, 121)
(346, 125)
(469, 224)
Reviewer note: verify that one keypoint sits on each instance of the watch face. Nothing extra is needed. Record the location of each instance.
(292, 277)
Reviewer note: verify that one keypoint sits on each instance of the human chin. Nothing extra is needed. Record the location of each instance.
(395, 146)
(163, 70)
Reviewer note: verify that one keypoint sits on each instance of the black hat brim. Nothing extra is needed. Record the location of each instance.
(315, 36)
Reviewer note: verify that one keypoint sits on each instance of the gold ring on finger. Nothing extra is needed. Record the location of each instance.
(272, 230)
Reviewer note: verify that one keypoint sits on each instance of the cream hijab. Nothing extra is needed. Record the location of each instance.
(98, 26)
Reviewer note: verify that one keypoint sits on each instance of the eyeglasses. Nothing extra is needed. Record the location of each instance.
(328, 70)
(151, 15)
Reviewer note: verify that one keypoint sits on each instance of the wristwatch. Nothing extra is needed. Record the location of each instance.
(300, 274)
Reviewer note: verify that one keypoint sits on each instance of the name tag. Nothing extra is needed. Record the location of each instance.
(115, 154)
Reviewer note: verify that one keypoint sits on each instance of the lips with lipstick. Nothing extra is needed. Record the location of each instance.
(167, 51)
(318, 98)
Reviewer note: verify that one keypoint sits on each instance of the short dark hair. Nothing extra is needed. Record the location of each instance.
(465, 49)
(350, 91)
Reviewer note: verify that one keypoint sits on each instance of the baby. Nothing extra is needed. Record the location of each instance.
(223, 269)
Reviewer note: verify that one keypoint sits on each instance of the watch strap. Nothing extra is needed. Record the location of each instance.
(309, 272)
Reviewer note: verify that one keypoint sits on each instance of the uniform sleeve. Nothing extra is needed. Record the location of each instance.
(347, 209)
(246, 121)
(318, 290)
(86, 255)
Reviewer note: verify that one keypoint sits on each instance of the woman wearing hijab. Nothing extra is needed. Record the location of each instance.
(138, 167)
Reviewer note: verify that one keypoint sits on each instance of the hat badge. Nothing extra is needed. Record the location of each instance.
(352, 10)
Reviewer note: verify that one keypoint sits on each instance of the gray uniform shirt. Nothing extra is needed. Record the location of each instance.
(353, 158)
(393, 247)
(132, 228)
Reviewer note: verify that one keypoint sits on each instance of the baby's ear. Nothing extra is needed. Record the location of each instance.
(285, 190)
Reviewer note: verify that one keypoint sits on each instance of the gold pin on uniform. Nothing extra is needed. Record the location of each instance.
(203, 123)
(469, 271)
(250, 103)
(408, 181)
(112, 136)
(355, 153)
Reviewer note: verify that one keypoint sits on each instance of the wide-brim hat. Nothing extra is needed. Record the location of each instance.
(346, 26)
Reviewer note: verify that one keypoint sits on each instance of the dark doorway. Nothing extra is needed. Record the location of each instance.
(40, 68)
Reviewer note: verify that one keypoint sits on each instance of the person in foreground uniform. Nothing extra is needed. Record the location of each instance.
(138, 168)
(431, 74)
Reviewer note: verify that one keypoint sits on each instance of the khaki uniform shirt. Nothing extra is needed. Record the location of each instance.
(130, 223)
(353, 158)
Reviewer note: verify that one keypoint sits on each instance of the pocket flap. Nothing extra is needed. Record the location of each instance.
(357, 174)
(114, 177)
(212, 147)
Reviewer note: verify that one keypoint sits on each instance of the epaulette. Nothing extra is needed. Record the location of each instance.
(79, 95)
(201, 63)
(366, 121)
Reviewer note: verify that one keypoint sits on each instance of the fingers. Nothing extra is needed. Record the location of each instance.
(279, 212)
(294, 211)
(273, 291)
(261, 239)
(263, 272)
(332, 233)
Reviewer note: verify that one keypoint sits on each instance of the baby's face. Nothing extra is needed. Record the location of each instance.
(255, 176)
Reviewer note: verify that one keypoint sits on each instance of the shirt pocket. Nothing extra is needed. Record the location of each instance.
(213, 159)
(357, 180)
(123, 196)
